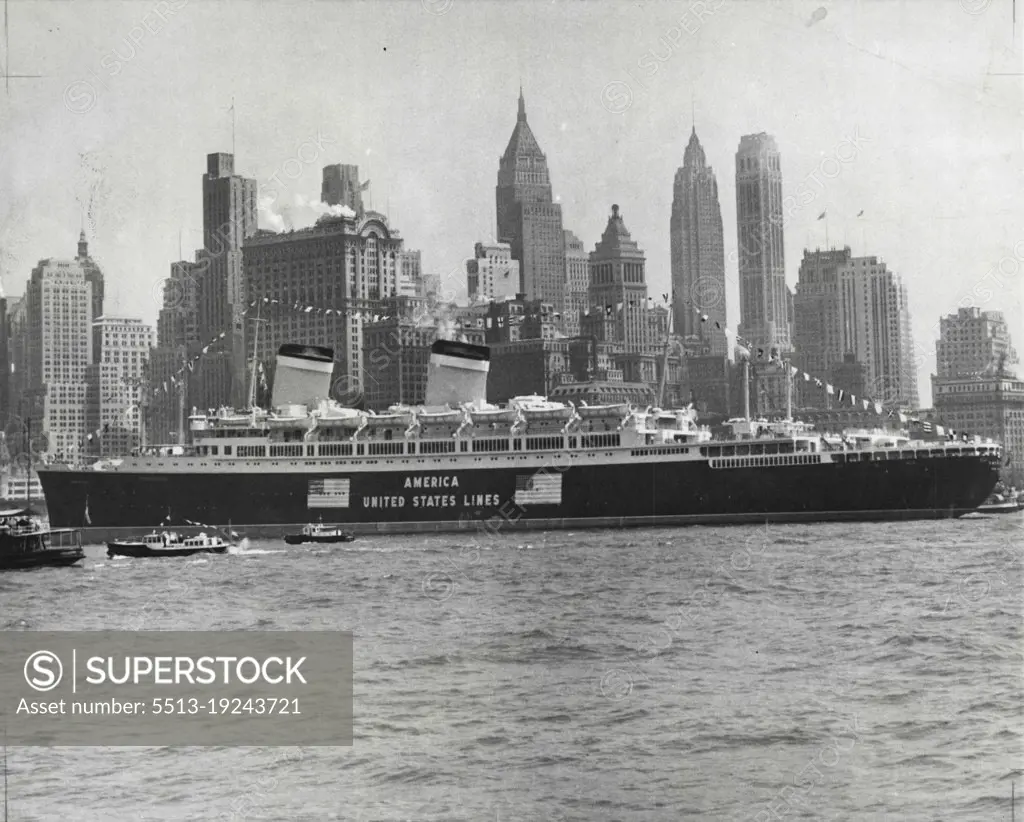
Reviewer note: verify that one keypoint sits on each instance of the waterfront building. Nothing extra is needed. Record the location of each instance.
(764, 319)
(973, 343)
(528, 218)
(492, 274)
(345, 264)
(410, 274)
(976, 390)
(116, 384)
(397, 351)
(526, 366)
(698, 253)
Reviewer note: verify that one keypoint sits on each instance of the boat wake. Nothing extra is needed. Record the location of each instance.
(243, 549)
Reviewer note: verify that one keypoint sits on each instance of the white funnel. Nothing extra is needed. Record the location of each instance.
(302, 375)
(457, 373)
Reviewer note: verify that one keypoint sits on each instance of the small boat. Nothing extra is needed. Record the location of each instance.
(25, 543)
(318, 532)
(166, 544)
(1001, 501)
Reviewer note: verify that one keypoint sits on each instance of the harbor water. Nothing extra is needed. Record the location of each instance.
(839, 671)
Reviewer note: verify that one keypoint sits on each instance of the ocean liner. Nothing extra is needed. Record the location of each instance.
(459, 462)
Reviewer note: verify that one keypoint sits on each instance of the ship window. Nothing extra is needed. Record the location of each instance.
(728, 450)
(758, 448)
(463, 446)
(214, 449)
(715, 451)
(771, 448)
(227, 450)
(360, 450)
(703, 451)
(412, 448)
(742, 450)
(785, 447)
(309, 450)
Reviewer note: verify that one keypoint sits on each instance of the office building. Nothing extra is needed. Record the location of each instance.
(698, 254)
(764, 319)
(492, 274)
(528, 218)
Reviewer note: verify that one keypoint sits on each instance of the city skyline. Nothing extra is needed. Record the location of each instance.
(922, 149)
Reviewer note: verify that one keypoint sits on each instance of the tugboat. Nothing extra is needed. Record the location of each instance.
(1001, 501)
(25, 543)
(166, 544)
(318, 532)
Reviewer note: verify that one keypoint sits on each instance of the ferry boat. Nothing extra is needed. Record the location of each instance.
(318, 532)
(166, 544)
(461, 463)
(25, 543)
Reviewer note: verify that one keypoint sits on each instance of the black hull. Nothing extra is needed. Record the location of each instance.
(142, 551)
(301, 539)
(450, 499)
(52, 558)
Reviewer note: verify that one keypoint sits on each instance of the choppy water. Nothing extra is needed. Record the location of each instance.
(693, 673)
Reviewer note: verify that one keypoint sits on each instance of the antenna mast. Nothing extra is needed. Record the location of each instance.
(255, 348)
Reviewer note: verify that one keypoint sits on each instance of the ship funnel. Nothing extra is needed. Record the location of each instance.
(302, 375)
(457, 373)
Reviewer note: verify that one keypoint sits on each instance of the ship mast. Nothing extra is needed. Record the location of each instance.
(789, 391)
(255, 348)
(182, 385)
(746, 388)
(664, 361)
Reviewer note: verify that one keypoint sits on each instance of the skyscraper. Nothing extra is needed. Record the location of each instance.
(698, 254)
(229, 217)
(113, 419)
(974, 343)
(577, 283)
(341, 187)
(618, 285)
(874, 317)
(528, 219)
(341, 263)
(817, 338)
(764, 319)
(58, 328)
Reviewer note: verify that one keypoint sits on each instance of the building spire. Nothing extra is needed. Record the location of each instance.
(522, 105)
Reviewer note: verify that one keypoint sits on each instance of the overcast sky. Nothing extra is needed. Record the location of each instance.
(907, 111)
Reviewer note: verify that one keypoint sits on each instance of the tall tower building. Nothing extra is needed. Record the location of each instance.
(874, 316)
(577, 283)
(698, 254)
(341, 187)
(58, 327)
(528, 219)
(618, 285)
(229, 217)
(817, 337)
(764, 319)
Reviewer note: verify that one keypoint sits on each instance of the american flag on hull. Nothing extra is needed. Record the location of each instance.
(328, 493)
(538, 489)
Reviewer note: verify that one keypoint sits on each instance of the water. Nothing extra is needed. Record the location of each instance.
(636, 675)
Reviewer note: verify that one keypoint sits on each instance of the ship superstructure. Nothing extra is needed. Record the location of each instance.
(531, 463)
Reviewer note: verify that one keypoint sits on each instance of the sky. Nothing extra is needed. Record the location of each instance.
(910, 112)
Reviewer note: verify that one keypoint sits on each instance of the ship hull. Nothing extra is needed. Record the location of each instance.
(510, 498)
(138, 550)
